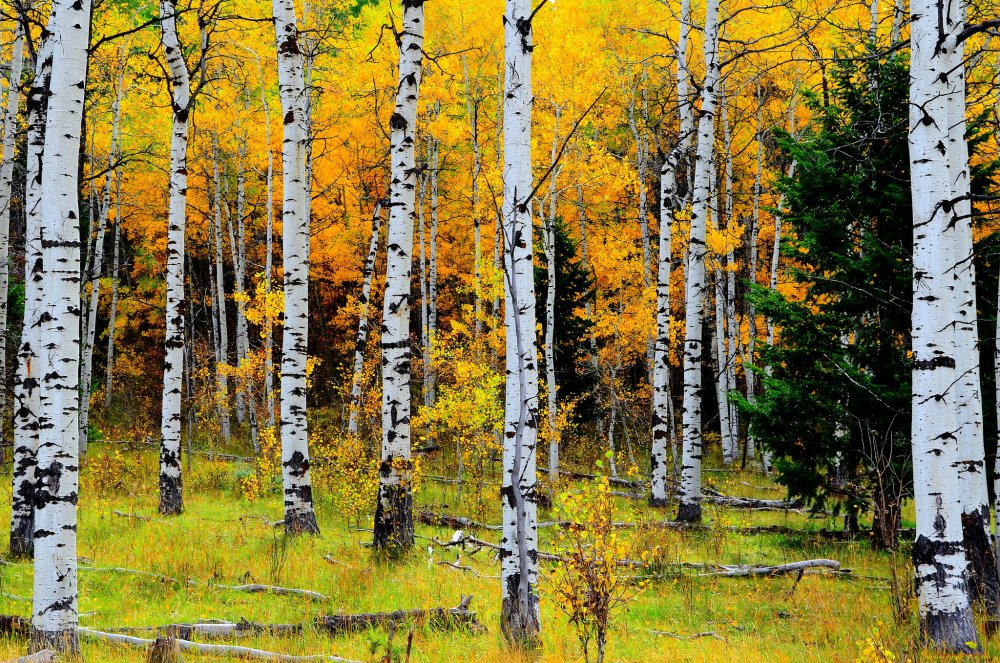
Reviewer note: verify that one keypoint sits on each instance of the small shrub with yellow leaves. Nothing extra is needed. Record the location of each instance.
(590, 586)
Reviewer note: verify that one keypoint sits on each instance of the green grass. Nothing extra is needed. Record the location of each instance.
(222, 538)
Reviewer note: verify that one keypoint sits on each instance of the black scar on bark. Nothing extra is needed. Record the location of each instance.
(688, 512)
(984, 581)
(302, 521)
(393, 520)
(171, 495)
(65, 640)
(518, 629)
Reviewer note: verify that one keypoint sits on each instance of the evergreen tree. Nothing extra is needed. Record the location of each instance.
(573, 330)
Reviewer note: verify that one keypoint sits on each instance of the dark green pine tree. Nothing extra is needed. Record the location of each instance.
(835, 409)
(572, 329)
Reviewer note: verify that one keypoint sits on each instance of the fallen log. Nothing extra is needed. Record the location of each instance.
(438, 618)
(44, 656)
(740, 571)
(251, 588)
(209, 649)
(693, 636)
(614, 481)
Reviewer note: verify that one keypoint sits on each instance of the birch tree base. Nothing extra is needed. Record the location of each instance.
(64, 641)
(171, 498)
(519, 629)
(689, 512)
(394, 519)
(984, 584)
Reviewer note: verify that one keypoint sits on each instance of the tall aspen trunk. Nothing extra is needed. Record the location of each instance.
(109, 370)
(27, 404)
(662, 407)
(268, 259)
(425, 331)
(238, 246)
(432, 282)
(689, 509)
(171, 500)
(898, 14)
(519, 615)
(299, 514)
(472, 110)
(361, 340)
(944, 300)
(54, 607)
(719, 351)
(729, 308)
(394, 510)
(6, 182)
(550, 308)
(752, 234)
(219, 297)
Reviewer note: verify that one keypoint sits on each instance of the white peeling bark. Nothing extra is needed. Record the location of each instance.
(394, 511)
(54, 608)
(689, 509)
(519, 616)
(219, 297)
(27, 405)
(729, 308)
(719, 351)
(268, 257)
(6, 181)
(299, 514)
(171, 494)
(940, 293)
(472, 110)
(361, 340)
(752, 234)
(432, 281)
(109, 370)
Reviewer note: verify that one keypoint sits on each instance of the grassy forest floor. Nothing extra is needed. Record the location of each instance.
(224, 539)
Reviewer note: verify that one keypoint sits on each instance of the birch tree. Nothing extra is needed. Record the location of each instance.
(361, 340)
(171, 492)
(519, 615)
(54, 607)
(394, 510)
(27, 405)
(689, 509)
(669, 203)
(299, 514)
(943, 315)
(6, 181)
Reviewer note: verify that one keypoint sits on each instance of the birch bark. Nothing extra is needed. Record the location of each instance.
(361, 340)
(519, 616)
(941, 292)
(54, 608)
(299, 514)
(26, 387)
(689, 509)
(171, 492)
(394, 510)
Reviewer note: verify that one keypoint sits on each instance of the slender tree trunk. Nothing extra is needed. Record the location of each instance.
(720, 353)
(171, 500)
(6, 182)
(942, 288)
(361, 341)
(268, 260)
(425, 331)
(519, 615)
(550, 309)
(109, 371)
(873, 21)
(752, 233)
(239, 252)
(729, 307)
(472, 110)
(299, 514)
(27, 406)
(432, 284)
(689, 509)
(54, 608)
(662, 410)
(898, 13)
(219, 296)
(394, 511)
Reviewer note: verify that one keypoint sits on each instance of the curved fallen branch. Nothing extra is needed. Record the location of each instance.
(740, 571)
(251, 588)
(44, 656)
(208, 649)
(693, 636)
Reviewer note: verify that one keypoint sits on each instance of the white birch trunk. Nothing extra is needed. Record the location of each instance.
(361, 341)
(171, 497)
(425, 333)
(720, 353)
(432, 283)
(299, 514)
(219, 297)
(519, 616)
(729, 308)
(752, 233)
(689, 509)
(898, 14)
(940, 294)
(662, 408)
(394, 511)
(268, 259)
(109, 370)
(550, 308)
(54, 608)
(6, 181)
(26, 387)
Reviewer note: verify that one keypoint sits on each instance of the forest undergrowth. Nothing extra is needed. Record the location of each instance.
(681, 613)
